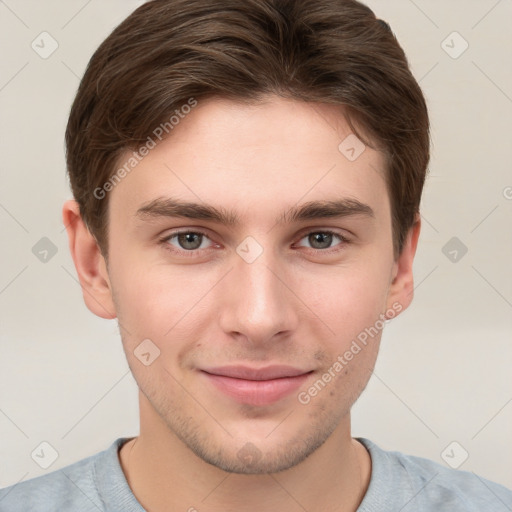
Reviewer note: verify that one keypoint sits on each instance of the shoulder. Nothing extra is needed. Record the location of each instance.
(422, 484)
(74, 487)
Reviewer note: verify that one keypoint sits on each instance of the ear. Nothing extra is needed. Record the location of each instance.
(89, 263)
(401, 289)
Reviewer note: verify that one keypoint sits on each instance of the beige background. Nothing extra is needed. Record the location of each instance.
(444, 369)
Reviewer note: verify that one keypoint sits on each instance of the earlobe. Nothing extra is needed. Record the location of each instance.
(401, 289)
(89, 263)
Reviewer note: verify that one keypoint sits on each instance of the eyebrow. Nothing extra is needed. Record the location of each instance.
(320, 209)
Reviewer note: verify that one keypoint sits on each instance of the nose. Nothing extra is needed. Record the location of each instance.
(258, 301)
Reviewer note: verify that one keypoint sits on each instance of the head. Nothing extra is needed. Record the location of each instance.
(299, 133)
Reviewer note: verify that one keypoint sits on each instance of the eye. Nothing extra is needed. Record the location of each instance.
(186, 241)
(322, 240)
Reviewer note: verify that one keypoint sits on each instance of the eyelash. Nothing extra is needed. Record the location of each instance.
(192, 253)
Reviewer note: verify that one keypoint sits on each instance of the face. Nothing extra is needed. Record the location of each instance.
(251, 304)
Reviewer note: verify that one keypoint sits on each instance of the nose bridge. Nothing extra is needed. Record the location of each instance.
(259, 305)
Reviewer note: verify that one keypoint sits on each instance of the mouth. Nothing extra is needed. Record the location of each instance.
(256, 386)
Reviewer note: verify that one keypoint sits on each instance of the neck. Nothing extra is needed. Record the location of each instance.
(165, 475)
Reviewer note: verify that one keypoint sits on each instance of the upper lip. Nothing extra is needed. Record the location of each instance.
(248, 373)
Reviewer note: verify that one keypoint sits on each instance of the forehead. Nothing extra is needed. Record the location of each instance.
(254, 158)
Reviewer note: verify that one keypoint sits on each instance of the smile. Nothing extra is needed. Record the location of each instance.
(254, 386)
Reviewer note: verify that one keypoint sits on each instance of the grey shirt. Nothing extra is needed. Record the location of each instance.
(398, 482)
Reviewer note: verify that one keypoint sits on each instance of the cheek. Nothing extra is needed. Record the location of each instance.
(347, 299)
(159, 302)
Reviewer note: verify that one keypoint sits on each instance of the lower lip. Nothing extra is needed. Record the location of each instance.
(257, 392)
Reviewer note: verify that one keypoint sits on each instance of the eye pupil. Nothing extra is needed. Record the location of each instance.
(186, 240)
(324, 239)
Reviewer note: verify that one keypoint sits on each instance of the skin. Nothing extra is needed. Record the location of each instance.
(296, 304)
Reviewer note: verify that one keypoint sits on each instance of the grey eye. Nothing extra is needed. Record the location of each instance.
(190, 241)
(320, 240)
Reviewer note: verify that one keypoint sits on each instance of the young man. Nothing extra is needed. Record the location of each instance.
(247, 178)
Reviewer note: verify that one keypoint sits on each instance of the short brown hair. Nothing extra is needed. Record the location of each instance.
(169, 51)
